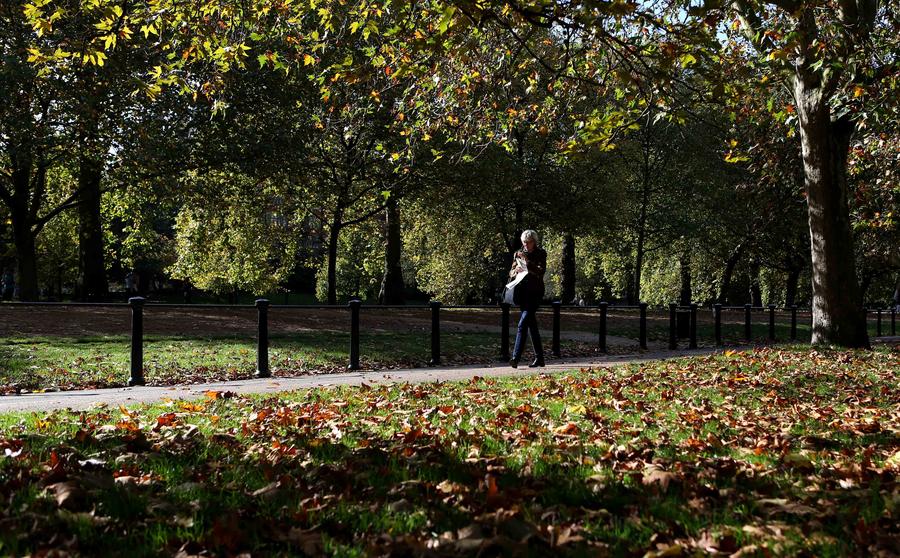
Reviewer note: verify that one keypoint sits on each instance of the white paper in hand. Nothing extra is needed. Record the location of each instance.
(510, 288)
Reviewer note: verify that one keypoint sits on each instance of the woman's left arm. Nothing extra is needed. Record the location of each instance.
(537, 263)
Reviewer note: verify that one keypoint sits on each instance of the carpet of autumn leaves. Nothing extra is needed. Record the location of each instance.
(757, 453)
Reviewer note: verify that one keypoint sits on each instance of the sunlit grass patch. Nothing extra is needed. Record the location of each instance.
(103, 361)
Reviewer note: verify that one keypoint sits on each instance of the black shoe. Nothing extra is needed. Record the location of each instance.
(514, 362)
(537, 362)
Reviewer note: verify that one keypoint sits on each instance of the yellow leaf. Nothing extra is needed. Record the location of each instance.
(308, 59)
(576, 409)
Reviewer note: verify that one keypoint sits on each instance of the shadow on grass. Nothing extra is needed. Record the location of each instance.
(409, 494)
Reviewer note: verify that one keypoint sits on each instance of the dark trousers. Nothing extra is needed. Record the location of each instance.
(528, 323)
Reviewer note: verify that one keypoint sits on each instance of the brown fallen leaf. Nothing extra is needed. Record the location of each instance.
(781, 505)
(308, 540)
(68, 494)
(655, 475)
(567, 535)
(666, 552)
(798, 461)
(268, 491)
(568, 429)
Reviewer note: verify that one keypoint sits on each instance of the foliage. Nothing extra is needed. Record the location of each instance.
(242, 241)
(359, 264)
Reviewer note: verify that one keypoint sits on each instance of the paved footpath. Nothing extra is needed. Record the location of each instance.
(85, 399)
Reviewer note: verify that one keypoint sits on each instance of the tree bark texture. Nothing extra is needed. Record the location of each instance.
(23, 213)
(26, 259)
(837, 315)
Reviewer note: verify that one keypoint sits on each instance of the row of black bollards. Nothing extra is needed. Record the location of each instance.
(262, 339)
(748, 323)
(878, 312)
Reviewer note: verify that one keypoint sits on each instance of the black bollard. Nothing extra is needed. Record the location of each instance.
(673, 334)
(717, 318)
(693, 341)
(262, 338)
(435, 333)
(794, 322)
(137, 341)
(748, 326)
(893, 320)
(604, 310)
(555, 348)
(504, 331)
(771, 322)
(354, 334)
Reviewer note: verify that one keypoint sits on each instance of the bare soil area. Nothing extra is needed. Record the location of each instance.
(76, 321)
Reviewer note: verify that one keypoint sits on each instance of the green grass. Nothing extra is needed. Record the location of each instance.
(73, 363)
(773, 451)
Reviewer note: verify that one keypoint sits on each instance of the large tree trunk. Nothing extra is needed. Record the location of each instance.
(334, 234)
(26, 259)
(837, 315)
(91, 261)
(23, 226)
(392, 282)
(730, 264)
(568, 269)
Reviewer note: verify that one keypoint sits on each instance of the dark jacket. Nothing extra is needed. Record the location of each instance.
(532, 287)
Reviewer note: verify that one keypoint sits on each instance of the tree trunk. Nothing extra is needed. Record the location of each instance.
(26, 259)
(24, 235)
(730, 264)
(333, 236)
(687, 294)
(629, 283)
(568, 269)
(837, 315)
(91, 259)
(755, 291)
(392, 282)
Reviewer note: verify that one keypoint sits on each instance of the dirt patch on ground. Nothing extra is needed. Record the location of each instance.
(77, 321)
(200, 321)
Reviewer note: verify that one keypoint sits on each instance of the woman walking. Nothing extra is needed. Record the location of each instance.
(529, 293)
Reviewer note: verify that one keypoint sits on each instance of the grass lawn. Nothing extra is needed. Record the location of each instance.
(768, 452)
(90, 362)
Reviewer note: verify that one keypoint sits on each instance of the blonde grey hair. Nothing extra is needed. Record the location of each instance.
(526, 234)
